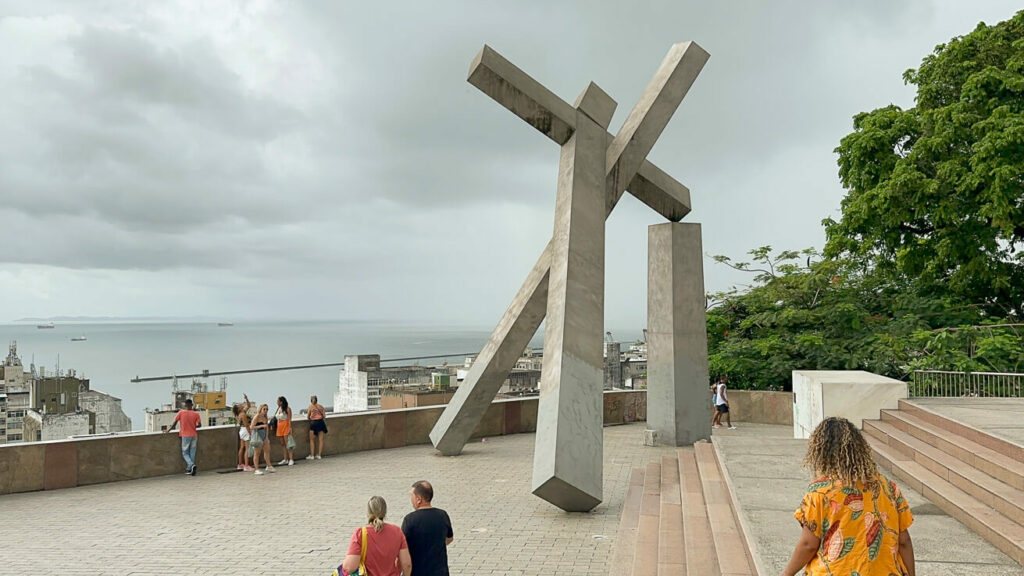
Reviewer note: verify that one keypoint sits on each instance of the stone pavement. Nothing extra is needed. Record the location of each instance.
(1002, 417)
(299, 520)
(765, 461)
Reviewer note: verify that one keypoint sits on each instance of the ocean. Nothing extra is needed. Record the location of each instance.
(114, 353)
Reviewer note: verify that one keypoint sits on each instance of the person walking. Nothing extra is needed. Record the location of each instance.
(259, 440)
(715, 414)
(722, 402)
(428, 531)
(284, 431)
(317, 427)
(378, 547)
(854, 520)
(241, 412)
(190, 423)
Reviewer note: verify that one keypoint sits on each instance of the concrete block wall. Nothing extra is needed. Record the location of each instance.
(79, 462)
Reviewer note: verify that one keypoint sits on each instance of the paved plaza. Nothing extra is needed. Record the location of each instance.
(299, 520)
(1002, 417)
(764, 462)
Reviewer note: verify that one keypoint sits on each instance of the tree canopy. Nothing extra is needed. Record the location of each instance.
(925, 268)
(936, 192)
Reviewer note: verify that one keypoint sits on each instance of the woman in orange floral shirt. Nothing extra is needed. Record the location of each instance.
(854, 520)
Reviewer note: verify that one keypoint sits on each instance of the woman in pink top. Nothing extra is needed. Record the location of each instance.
(387, 554)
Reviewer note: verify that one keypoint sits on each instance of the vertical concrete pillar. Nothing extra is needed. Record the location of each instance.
(677, 347)
(568, 455)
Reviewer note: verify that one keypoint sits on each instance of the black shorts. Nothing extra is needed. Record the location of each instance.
(317, 426)
(723, 408)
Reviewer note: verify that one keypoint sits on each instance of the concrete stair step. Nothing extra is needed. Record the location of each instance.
(645, 559)
(699, 542)
(629, 522)
(989, 490)
(730, 546)
(1014, 452)
(999, 530)
(671, 546)
(994, 463)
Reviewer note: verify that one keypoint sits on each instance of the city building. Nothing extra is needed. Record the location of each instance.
(39, 426)
(110, 417)
(17, 397)
(612, 364)
(37, 406)
(362, 380)
(211, 405)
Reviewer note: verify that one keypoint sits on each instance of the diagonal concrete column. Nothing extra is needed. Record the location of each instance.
(507, 342)
(567, 457)
(677, 346)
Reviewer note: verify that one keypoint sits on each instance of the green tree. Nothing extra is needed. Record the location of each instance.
(936, 192)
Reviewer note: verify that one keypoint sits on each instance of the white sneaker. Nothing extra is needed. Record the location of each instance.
(271, 469)
(732, 427)
(282, 462)
(717, 426)
(310, 457)
(259, 472)
(319, 457)
(291, 462)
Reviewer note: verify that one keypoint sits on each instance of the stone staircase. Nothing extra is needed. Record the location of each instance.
(678, 519)
(973, 476)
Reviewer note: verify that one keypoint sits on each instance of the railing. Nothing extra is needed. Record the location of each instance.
(948, 384)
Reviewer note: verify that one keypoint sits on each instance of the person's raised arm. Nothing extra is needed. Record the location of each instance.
(907, 552)
(805, 550)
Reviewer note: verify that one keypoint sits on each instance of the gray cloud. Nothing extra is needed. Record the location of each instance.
(329, 159)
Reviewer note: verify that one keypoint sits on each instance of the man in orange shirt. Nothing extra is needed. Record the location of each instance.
(190, 422)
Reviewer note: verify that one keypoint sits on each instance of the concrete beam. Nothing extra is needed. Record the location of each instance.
(505, 345)
(677, 347)
(539, 107)
(567, 458)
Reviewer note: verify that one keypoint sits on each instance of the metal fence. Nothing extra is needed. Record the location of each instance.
(946, 384)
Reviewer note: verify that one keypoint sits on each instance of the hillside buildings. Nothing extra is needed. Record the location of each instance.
(363, 380)
(35, 406)
(211, 404)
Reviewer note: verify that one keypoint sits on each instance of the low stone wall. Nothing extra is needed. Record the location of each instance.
(761, 406)
(68, 463)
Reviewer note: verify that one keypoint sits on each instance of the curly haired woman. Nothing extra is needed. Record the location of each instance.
(854, 520)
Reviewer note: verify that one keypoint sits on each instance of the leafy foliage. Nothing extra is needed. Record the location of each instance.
(830, 314)
(936, 192)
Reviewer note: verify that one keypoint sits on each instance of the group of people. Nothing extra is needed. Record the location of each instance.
(383, 549)
(254, 430)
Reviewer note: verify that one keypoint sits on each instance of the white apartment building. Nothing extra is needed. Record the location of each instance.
(359, 384)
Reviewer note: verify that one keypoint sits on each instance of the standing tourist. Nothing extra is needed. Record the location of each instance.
(854, 520)
(190, 423)
(259, 440)
(428, 531)
(722, 402)
(241, 412)
(715, 415)
(317, 427)
(378, 546)
(284, 431)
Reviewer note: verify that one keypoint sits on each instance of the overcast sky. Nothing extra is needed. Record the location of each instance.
(329, 159)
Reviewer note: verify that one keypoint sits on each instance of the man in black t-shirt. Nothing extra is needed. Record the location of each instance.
(428, 531)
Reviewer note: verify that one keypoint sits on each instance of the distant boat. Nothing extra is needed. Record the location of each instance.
(225, 324)
(79, 339)
(46, 326)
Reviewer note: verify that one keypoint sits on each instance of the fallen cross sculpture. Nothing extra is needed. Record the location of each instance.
(567, 283)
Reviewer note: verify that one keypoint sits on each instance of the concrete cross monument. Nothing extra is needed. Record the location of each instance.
(567, 283)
